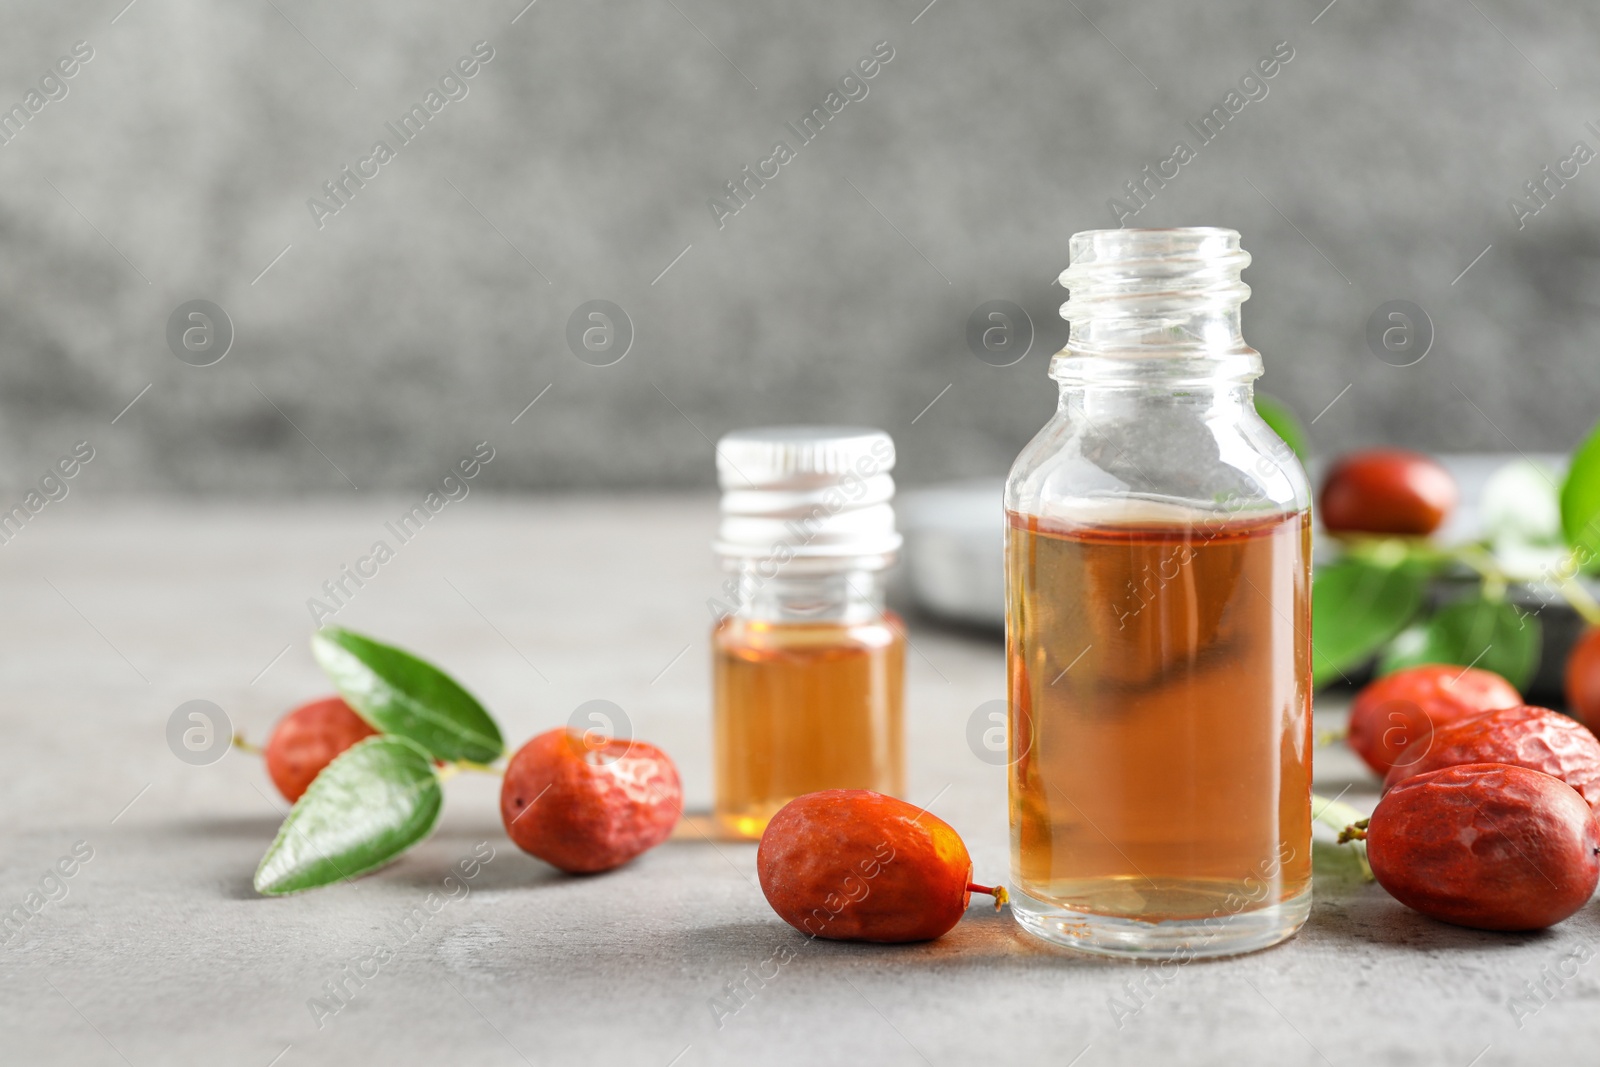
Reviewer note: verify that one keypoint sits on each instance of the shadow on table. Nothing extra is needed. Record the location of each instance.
(485, 849)
(1380, 920)
(425, 867)
(983, 939)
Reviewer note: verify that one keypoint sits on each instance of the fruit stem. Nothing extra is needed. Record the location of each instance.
(1001, 897)
(244, 746)
(1328, 737)
(1387, 550)
(1341, 817)
(1581, 600)
(1356, 831)
(1495, 579)
(480, 768)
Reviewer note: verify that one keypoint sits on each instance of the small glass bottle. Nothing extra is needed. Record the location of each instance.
(808, 667)
(1159, 621)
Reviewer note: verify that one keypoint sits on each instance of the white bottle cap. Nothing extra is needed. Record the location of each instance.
(807, 492)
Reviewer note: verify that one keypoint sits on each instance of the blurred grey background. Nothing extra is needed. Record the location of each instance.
(375, 350)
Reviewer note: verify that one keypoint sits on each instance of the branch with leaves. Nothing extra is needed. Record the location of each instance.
(384, 794)
(1541, 532)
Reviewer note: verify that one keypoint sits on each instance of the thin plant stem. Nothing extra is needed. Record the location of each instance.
(1582, 601)
(479, 768)
(1495, 579)
(1339, 816)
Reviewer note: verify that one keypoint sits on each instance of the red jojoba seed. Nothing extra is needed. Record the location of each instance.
(1486, 845)
(587, 805)
(854, 865)
(1387, 491)
(307, 740)
(1583, 678)
(1524, 736)
(1393, 719)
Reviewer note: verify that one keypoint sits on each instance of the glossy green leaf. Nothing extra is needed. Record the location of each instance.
(400, 694)
(377, 799)
(1580, 501)
(1285, 423)
(1489, 634)
(1356, 606)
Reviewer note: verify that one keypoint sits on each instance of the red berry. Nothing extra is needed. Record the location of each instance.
(1583, 678)
(1387, 491)
(854, 865)
(1524, 736)
(586, 806)
(1484, 845)
(1393, 718)
(307, 740)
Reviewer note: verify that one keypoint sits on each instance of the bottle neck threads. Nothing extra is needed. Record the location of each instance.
(1155, 304)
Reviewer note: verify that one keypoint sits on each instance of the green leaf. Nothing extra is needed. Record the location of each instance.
(1580, 499)
(377, 799)
(402, 695)
(1489, 634)
(1356, 606)
(1284, 422)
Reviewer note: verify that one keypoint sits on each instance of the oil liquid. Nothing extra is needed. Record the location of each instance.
(802, 707)
(1159, 677)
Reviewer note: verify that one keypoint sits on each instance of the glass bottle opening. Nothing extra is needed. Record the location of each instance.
(1173, 293)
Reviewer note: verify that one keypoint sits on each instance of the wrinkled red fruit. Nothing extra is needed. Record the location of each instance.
(1387, 491)
(307, 739)
(1394, 717)
(1486, 845)
(1583, 678)
(587, 805)
(854, 865)
(1524, 736)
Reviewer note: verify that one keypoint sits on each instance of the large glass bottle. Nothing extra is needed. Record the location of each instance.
(1158, 620)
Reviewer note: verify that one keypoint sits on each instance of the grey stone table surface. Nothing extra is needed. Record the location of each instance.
(156, 951)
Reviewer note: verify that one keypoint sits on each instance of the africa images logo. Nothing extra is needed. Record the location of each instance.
(453, 85)
(1142, 188)
(52, 87)
(851, 87)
